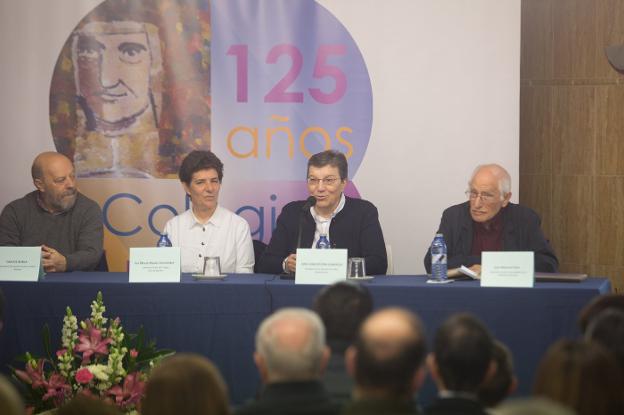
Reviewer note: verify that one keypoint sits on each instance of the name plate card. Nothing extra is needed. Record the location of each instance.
(507, 269)
(321, 266)
(154, 265)
(20, 263)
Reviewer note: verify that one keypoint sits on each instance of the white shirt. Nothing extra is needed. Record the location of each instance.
(225, 235)
(322, 224)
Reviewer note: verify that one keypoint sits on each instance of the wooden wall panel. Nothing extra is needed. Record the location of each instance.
(609, 22)
(573, 219)
(574, 39)
(536, 34)
(574, 129)
(610, 220)
(535, 129)
(609, 140)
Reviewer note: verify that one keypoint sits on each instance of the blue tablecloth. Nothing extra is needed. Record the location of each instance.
(219, 318)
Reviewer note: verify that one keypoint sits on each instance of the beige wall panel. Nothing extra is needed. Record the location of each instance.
(537, 35)
(610, 220)
(574, 43)
(573, 230)
(615, 274)
(574, 129)
(535, 129)
(610, 134)
(536, 193)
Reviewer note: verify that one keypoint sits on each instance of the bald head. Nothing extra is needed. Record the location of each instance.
(290, 345)
(495, 173)
(54, 177)
(389, 353)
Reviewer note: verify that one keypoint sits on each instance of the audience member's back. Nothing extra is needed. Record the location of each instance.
(503, 383)
(583, 376)
(85, 405)
(607, 328)
(342, 307)
(185, 384)
(10, 401)
(461, 361)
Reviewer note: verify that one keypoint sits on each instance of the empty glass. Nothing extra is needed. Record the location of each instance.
(356, 268)
(212, 266)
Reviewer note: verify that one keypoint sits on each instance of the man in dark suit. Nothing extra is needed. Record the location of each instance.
(488, 221)
(342, 306)
(461, 361)
(348, 223)
(291, 355)
(386, 363)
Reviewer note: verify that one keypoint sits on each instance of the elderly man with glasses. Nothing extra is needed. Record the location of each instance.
(489, 222)
(348, 223)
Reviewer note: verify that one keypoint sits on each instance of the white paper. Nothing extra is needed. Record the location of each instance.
(507, 269)
(321, 266)
(20, 263)
(154, 264)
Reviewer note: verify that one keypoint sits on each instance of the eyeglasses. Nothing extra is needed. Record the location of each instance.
(327, 181)
(485, 197)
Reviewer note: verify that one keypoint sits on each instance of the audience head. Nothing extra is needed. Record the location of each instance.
(489, 190)
(387, 358)
(185, 384)
(342, 307)
(10, 401)
(87, 405)
(597, 305)
(583, 376)
(54, 177)
(290, 346)
(607, 328)
(462, 356)
(533, 406)
(503, 382)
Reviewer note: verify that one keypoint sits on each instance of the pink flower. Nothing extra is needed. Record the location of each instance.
(57, 389)
(90, 342)
(130, 393)
(32, 375)
(84, 376)
(61, 352)
(133, 353)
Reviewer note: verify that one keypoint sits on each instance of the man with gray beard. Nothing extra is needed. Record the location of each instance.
(66, 224)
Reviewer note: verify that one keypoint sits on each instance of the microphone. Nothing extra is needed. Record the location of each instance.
(310, 201)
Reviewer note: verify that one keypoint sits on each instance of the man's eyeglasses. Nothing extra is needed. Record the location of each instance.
(485, 197)
(327, 181)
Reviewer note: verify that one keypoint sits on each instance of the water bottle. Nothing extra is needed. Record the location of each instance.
(323, 242)
(163, 241)
(438, 258)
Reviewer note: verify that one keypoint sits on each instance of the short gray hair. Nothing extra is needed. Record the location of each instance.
(504, 179)
(283, 360)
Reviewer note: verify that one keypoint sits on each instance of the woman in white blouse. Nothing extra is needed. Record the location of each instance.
(207, 229)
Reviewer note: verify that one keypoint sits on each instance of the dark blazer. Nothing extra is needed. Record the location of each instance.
(455, 406)
(292, 398)
(521, 232)
(356, 227)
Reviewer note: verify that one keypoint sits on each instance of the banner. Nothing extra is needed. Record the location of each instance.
(415, 94)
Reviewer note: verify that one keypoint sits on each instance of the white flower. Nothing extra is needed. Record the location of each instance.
(101, 372)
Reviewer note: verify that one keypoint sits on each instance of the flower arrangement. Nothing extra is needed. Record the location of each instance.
(96, 359)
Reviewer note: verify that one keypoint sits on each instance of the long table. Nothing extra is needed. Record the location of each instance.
(219, 318)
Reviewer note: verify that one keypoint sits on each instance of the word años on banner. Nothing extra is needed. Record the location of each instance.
(236, 139)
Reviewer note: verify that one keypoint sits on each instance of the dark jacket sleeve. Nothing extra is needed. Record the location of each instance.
(283, 241)
(9, 227)
(89, 240)
(372, 242)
